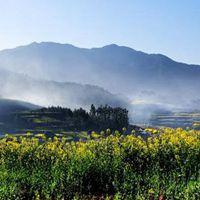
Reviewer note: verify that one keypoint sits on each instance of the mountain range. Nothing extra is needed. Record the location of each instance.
(59, 69)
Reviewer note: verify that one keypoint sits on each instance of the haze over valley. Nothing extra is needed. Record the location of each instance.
(50, 73)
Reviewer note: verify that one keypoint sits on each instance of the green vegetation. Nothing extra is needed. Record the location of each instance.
(108, 166)
(58, 119)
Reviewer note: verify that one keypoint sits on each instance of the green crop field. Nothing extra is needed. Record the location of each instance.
(166, 165)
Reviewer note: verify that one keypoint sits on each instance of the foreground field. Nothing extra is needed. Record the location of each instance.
(165, 166)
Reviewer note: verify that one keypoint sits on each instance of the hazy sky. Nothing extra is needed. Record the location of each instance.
(170, 27)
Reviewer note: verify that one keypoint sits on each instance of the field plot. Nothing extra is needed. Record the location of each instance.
(108, 166)
(174, 120)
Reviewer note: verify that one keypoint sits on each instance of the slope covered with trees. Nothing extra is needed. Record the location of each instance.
(58, 118)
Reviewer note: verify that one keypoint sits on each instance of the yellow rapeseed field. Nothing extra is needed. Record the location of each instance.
(165, 165)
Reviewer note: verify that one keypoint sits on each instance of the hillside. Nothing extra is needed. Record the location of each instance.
(47, 93)
(119, 69)
(8, 109)
(8, 106)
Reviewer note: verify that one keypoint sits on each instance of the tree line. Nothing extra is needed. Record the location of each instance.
(97, 118)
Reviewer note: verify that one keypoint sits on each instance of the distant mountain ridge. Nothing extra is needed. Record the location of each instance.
(47, 93)
(118, 69)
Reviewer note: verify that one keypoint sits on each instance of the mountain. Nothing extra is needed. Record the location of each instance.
(47, 93)
(118, 69)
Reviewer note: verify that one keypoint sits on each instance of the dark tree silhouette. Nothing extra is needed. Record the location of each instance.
(100, 118)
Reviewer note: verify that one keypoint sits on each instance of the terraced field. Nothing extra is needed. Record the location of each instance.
(181, 119)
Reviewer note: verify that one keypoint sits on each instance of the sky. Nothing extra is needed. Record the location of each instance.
(170, 27)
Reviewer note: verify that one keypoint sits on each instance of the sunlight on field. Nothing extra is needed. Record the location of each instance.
(122, 166)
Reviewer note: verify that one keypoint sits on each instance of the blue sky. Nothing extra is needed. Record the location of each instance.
(170, 27)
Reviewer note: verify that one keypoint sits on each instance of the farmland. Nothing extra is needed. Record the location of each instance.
(176, 119)
(108, 165)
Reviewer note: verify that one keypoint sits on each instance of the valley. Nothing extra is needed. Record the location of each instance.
(97, 122)
(99, 100)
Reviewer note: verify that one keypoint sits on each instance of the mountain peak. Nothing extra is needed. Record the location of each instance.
(48, 44)
(111, 46)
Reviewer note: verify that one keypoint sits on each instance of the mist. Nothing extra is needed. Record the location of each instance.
(49, 74)
(52, 93)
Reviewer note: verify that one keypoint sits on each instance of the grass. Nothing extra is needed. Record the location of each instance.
(165, 165)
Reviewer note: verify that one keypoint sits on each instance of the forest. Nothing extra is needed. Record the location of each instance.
(59, 118)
